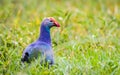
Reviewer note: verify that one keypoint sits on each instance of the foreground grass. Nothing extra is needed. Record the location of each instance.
(88, 42)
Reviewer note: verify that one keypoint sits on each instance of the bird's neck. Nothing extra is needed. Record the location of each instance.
(45, 35)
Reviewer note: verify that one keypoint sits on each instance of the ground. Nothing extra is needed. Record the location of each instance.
(87, 43)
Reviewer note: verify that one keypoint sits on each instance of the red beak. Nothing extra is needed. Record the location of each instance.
(55, 22)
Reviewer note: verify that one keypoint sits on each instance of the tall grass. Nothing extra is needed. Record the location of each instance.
(87, 43)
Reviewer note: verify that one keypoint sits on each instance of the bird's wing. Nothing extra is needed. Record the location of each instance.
(47, 53)
(37, 48)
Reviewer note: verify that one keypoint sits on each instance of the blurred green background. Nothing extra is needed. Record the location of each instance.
(87, 43)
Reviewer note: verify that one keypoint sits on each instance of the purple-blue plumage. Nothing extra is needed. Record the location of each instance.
(42, 46)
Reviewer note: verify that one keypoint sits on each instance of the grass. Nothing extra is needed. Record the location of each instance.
(87, 43)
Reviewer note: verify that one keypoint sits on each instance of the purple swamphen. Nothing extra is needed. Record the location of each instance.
(42, 46)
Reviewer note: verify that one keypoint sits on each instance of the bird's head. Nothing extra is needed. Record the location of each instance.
(50, 22)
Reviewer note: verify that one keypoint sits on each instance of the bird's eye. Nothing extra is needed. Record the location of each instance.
(50, 20)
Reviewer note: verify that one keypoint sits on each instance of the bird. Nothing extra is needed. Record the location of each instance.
(42, 46)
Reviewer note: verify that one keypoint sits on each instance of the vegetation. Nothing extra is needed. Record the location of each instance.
(87, 43)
